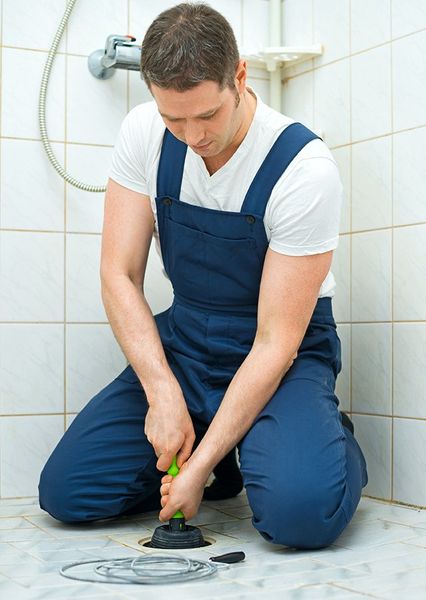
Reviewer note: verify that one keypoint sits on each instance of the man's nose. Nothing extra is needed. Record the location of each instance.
(194, 134)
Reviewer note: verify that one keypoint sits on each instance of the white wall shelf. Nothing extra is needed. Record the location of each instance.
(275, 57)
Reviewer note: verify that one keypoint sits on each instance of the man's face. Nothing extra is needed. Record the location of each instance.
(205, 117)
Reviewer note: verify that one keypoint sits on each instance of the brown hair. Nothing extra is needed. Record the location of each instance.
(187, 44)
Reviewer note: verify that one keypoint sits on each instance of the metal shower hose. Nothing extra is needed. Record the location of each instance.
(42, 108)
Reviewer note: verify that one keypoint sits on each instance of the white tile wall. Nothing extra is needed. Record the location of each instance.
(409, 176)
(409, 355)
(21, 77)
(83, 288)
(369, 100)
(371, 368)
(335, 40)
(372, 184)
(409, 461)
(375, 13)
(342, 156)
(93, 359)
(32, 193)
(32, 275)
(371, 110)
(28, 25)
(409, 81)
(331, 102)
(365, 95)
(25, 445)
(409, 261)
(374, 435)
(371, 276)
(32, 368)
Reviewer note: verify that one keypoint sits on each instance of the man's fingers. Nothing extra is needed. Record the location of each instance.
(185, 452)
(164, 461)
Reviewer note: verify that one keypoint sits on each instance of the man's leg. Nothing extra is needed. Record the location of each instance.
(104, 465)
(302, 469)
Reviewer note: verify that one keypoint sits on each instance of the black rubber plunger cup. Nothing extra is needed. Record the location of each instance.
(177, 534)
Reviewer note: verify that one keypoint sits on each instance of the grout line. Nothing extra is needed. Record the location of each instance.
(350, 217)
(64, 349)
(392, 441)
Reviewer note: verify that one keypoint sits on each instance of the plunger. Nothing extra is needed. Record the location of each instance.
(177, 534)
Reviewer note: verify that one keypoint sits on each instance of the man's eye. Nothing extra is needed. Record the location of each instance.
(208, 117)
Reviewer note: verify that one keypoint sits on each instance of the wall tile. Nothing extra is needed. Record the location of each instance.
(341, 268)
(373, 434)
(371, 112)
(21, 78)
(93, 360)
(261, 87)
(31, 368)
(343, 389)
(297, 98)
(157, 287)
(343, 158)
(371, 276)
(409, 81)
(375, 13)
(27, 28)
(36, 437)
(409, 461)
(408, 16)
(91, 165)
(331, 103)
(92, 22)
(335, 40)
(32, 276)
(409, 273)
(372, 184)
(32, 192)
(409, 176)
(409, 353)
(96, 115)
(138, 91)
(255, 25)
(297, 16)
(371, 368)
(83, 289)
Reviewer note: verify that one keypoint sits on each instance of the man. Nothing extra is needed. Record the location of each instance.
(245, 206)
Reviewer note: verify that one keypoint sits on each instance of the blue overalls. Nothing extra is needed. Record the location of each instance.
(302, 470)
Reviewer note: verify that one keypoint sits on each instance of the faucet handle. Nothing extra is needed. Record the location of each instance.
(117, 40)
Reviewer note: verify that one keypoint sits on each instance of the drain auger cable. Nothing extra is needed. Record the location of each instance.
(150, 569)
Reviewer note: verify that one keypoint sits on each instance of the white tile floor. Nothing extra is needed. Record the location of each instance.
(381, 554)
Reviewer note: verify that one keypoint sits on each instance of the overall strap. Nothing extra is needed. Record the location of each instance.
(170, 167)
(286, 147)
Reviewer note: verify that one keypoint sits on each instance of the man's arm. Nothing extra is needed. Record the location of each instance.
(288, 295)
(126, 239)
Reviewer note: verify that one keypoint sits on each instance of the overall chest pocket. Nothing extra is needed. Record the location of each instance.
(210, 268)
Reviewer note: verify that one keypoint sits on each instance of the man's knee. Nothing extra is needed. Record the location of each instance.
(299, 518)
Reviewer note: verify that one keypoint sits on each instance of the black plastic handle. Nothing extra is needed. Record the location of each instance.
(231, 557)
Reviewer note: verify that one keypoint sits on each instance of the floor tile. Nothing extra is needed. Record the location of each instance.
(381, 554)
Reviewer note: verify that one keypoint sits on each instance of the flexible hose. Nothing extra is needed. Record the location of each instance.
(42, 108)
(149, 569)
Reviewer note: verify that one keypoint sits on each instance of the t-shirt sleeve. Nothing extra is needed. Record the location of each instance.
(305, 207)
(128, 160)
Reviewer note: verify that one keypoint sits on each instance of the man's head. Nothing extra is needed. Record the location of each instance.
(191, 64)
(188, 44)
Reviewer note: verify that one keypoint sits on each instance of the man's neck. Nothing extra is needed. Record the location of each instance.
(214, 163)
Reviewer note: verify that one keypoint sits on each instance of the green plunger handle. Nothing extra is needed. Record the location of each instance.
(173, 470)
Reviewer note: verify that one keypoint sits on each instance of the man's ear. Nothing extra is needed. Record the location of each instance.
(241, 75)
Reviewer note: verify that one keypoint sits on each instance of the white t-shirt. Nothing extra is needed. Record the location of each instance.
(303, 212)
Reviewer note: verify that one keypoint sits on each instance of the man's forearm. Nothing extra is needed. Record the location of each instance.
(135, 329)
(248, 393)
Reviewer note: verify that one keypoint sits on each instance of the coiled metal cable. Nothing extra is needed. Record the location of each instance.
(148, 569)
(42, 108)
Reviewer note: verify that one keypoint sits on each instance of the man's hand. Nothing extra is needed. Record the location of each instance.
(169, 429)
(183, 492)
